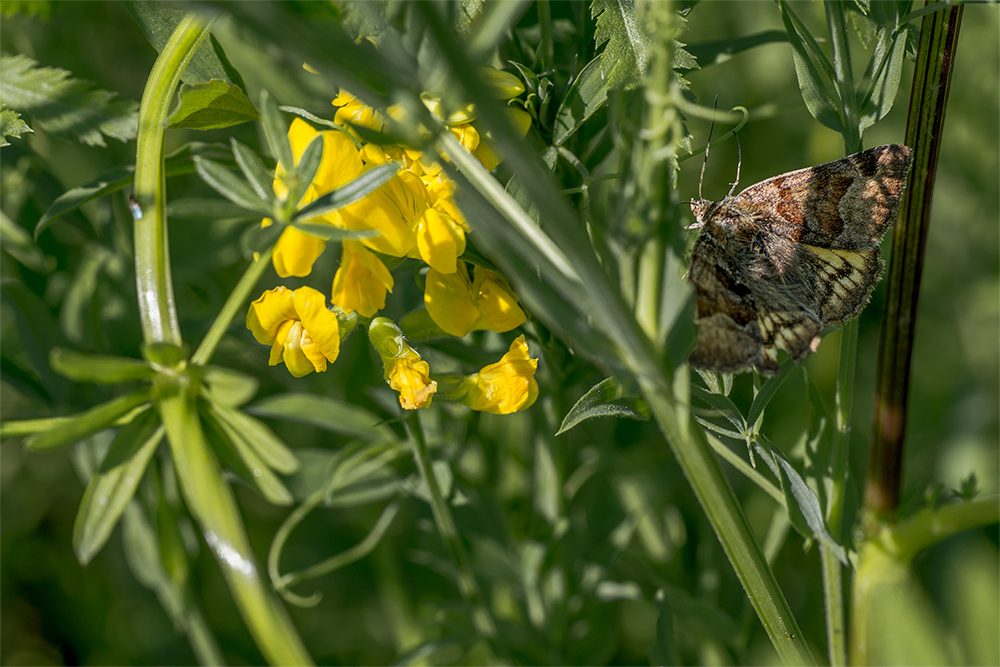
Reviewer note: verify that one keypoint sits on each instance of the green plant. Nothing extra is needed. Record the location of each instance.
(553, 534)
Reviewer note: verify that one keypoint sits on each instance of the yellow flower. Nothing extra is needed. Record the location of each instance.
(504, 387)
(353, 110)
(411, 378)
(405, 371)
(361, 281)
(296, 251)
(298, 327)
(393, 210)
(459, 306)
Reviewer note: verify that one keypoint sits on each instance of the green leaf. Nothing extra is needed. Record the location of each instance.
(177, 163)
(227, 387)
(602, 400)
(212, 105)
(64, 106)
(198, 208)
(100, 368)
(620, 24)
(724, 405)
(329, 232)
(86, 423)
(587, 94)
(237, 454)
(718, 52)
(38, 332)
(810, 65)
(260, 239)
(157, 22)
(230, 186)
(804, 509)
(767, 392)
(301, 175)
(261, 439)
(348, 193)
(261, 178)
(276, 130)
(325, 413)
(11, 125)
(887, 63)
(112, 487)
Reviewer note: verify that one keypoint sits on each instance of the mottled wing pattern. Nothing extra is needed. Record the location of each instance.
(848, 203)
(791, 255)
(725, 312)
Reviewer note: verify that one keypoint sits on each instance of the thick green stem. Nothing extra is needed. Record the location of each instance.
(152, 255)
(212, 503)
(717, 498)
(925, 124)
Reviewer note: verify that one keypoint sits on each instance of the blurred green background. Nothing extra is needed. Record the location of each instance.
(54, 611)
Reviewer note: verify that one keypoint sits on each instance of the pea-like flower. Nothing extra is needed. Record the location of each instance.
(361, 281)
(459, 305)
(501, 388)
(296, 251)
(298, 327)
(405, 371)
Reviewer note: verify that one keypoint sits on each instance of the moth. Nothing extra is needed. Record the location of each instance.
(786, 257)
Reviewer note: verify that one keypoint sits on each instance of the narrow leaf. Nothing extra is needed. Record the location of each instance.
(227, 387)
(329, 232)
(302, 174)
(100, 368)
(178, 162)
(723, 404)
(261, 439)
(325, 413)
(587, 94)
(261, 178)
(212, 105)
(882, 92)
(86, 423)
(818, 95)
(767, 392)
(113, 486)
(260, 239)
(804, 509)
(348, 193)
(223, 181)
(276, 130)
(602, 400)
(229, 444)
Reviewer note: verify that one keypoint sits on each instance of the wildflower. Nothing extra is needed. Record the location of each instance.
(459, 306)
(298, 327)
(441, 230)
(296, 251)
(361, 281)
(405, 371)
(501, 388)
(393, 210)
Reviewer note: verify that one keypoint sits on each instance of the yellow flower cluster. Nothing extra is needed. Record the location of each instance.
(413, 215)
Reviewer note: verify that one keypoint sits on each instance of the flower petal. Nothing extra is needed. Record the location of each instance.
(448, 299)
(269, 312)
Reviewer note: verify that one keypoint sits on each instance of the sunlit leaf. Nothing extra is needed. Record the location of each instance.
(602, 400)
(212, 105)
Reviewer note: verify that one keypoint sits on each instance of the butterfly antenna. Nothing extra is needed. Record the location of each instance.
(739, 162)
(704, 164)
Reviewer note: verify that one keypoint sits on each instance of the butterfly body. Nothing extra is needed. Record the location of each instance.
(791, 255)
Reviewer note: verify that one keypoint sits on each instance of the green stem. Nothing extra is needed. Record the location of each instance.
(152, 257)
(212, 503)
(481, 618)
(836, 20)
(234, 305)
(716, 497)
(924, 128)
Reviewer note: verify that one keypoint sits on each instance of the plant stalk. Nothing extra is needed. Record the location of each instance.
(925, 124)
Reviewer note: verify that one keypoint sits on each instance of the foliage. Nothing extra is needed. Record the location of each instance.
(584, 529)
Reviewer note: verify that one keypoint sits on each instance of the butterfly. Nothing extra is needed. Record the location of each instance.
(786, 257)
